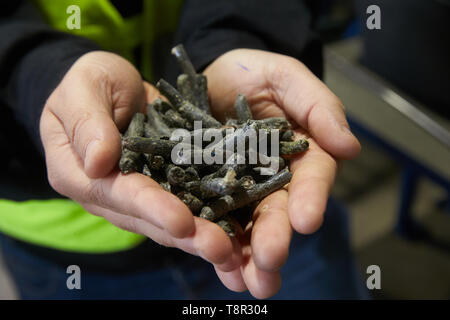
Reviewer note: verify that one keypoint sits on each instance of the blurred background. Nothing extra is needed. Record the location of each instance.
(395, 84)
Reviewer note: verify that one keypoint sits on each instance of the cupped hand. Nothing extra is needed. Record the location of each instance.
(79, 128)
(277, 85)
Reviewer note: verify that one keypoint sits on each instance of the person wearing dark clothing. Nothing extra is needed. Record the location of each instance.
(65, 95)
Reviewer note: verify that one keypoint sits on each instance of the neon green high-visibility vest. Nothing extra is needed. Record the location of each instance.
(62, 223)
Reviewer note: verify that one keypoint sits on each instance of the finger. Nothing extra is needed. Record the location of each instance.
(272, 232)
(313, 176)
(232, 279)
(235, 260)
(204, 242)
(130, 223)
(311, 104)
(211, 242)
(141, 197)
(88, 101)
(261, 284)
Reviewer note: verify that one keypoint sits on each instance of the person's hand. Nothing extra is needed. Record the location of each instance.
(277, 85)
(80, 132)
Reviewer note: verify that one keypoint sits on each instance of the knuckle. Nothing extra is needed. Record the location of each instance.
(100, 80)
(92, 209)
(166, 241)
(129, 224)
(95, 193)
(96, 74)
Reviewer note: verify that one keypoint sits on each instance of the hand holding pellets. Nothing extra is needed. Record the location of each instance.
(214, 190)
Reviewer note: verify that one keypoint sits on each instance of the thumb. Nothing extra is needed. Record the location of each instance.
(99, 92)
(312, 105)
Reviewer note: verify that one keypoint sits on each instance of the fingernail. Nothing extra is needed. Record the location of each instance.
(305, 218)
(346, 129)
(348, 132)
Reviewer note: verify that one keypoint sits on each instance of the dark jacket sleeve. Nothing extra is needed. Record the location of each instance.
(33, 60)
(210, 28)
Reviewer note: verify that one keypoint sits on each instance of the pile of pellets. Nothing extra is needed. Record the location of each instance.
(216, 192)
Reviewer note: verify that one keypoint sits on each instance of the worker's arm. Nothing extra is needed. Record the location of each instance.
(275, 85)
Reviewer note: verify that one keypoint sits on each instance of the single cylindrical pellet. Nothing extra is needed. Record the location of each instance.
(175, 120)
(149, 131)
(156, 162)
(136, 127)
(219, 186)
(247, 182)
(192, 86)
(219, 207)
(175, 175)
(183, 60)
(191, 174)
(154, 146)
(187, 109)
(288, 135)
(226, 223)
(130, 160)
(242, 109)
(191, 201)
